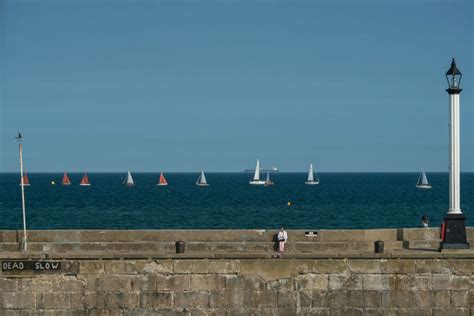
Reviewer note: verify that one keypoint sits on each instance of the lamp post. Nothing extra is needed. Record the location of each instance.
(454, 221)
(19, 138)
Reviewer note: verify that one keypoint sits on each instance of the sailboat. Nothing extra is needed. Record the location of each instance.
(311, 180)
(201, 181)
(85, 180)
(65, 180)
(128, 181)
(423, 181)
(268, 182)
(26, 181)
(256, 177)
(162, 180)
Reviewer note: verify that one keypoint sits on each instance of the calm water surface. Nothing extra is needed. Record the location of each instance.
(342, 200)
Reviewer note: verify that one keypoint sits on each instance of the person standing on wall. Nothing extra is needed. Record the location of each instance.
(282, 239)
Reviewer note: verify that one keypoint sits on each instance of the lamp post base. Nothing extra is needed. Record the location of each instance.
(455, 232)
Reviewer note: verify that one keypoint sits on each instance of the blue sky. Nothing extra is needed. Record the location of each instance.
(185, 85)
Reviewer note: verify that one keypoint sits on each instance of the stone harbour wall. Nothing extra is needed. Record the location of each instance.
(245, 286)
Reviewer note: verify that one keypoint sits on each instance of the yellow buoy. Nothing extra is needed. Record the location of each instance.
(53, 183)
(289, 203)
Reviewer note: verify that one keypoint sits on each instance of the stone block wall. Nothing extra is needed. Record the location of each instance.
(352, 286)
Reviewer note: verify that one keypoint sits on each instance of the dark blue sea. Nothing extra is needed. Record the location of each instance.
(341, 200)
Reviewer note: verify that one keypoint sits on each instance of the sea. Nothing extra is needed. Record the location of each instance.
(340, 201)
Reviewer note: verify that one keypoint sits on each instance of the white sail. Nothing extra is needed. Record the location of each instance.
(129, 178)
(256, 176)
(312, 178)
(310, 173)
(423, 181)
(201, 181)
(203, 178)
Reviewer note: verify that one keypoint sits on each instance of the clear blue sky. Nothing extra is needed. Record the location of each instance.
(185, 85)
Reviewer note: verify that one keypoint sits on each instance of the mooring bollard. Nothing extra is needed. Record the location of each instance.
(378, 245)
(180, 246)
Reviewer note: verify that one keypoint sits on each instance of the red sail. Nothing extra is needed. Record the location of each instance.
(162, 179)
(66, 180)
(85, 180)
(26, 181)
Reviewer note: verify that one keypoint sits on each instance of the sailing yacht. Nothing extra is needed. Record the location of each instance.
(85, 180)
(256, 177)
(128, 180)
(423, 181)
(162, 180)
(311, 180)
(26, 181)
(268, 182)
(65, 180)
(201, 181)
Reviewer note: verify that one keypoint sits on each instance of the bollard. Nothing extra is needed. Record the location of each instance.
(378, 245)
(180, 246)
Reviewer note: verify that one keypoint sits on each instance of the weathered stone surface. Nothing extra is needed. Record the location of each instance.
(67, 284)
(8, 285)
(442, 298)
(200, 266)
(364, 266)
(326, 266)
(109, 283)
(118, 300)
(451, 312)
(345, 282)
(40, 283)
(377, 282)
(155, 267)
(224, 266)
(404, 266)
(207, 282)
(409, 282)
(304, 299)
(145, 283)
(450, 282)
(336, 299)
(399, 299)
(424, 299)
(244, 283)
(157, 299)
(286, 299)
(173, 282)
(431, 266)
(121, 267)
(52, 300)
(461, 266)
(246, 286)
(312, 282)
(193, 299)
(270, 269)
(183, 266)
(93, 267)
(19, 300)
(366, 299)
(460, 299)
(281, 285)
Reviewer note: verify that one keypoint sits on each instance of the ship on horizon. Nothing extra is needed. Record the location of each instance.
(272, 170)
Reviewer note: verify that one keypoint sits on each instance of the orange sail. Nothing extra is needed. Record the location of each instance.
(26, 181)
(162, 180)
(66, 180)
(85, 180)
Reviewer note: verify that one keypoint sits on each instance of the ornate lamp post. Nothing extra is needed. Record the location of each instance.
(455, 230)
(19, 138)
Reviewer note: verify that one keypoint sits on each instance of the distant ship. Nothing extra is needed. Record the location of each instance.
(272, 170)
